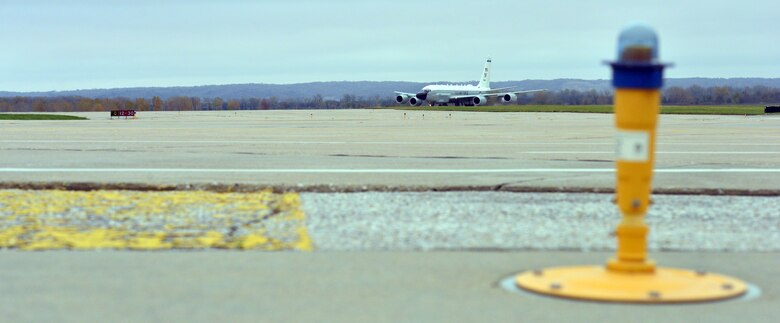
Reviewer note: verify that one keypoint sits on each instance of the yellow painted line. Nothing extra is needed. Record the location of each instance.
(137, 220)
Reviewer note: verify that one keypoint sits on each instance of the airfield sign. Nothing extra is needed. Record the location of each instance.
(122, 113)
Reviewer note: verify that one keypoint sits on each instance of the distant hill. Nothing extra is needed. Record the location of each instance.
(366, 89)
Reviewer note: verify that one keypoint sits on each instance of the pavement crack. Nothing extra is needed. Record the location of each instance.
(499, 187)
(576, 160)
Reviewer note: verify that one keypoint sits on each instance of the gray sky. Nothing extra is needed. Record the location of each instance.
(63, 45)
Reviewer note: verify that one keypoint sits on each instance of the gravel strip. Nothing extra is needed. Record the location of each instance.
(534, 221)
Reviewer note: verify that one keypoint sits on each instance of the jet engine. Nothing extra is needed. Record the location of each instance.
(509, 97)
(401, 98)
(478, 100)
(415, 102)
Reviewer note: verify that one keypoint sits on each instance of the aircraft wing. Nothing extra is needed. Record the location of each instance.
(526, 91)
(404, 93)
(467, 96)
(503, 90)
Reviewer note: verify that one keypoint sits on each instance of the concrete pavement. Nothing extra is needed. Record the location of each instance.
(384, 147)
(340, 287)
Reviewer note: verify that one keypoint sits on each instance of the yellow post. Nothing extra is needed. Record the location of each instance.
(630, 276)
(637, 77)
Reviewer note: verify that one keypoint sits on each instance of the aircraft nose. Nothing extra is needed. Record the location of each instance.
(422, 95)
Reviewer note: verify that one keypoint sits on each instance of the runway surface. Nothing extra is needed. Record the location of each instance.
(376, 279)
(384, 148)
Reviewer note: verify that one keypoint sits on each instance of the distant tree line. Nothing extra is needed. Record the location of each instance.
(697, 95)
(693, 95)
(183, 103)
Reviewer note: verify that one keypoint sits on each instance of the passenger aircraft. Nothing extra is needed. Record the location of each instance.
(461, 94)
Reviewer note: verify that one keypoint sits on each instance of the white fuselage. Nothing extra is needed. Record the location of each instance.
(443, 93)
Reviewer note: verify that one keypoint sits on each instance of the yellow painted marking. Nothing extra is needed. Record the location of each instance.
(53, 219)
(664, 285)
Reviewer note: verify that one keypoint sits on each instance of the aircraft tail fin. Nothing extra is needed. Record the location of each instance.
(484, 81)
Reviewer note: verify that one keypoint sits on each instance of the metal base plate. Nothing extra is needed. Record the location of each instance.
(665, 285)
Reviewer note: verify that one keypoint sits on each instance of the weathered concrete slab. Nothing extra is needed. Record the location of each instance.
(340, 287)
(382, 147)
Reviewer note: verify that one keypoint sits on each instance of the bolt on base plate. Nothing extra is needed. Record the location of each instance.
(665, 285)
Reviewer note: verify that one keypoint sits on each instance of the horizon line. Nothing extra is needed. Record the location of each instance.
(346, 81)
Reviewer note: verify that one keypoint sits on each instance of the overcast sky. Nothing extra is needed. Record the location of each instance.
(64, 45)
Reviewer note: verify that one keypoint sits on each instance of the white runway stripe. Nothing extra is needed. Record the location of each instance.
(291, 142)
(373, 170)
(660, 152)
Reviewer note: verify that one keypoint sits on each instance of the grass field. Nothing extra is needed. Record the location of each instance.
(723, 110)
(6, 116)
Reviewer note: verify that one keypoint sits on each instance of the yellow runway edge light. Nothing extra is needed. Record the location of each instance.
(630, 276)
